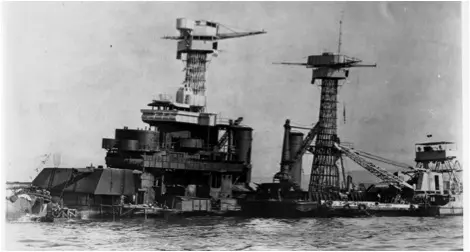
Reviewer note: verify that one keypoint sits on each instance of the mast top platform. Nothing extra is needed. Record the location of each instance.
(329, 60)
(202, 36)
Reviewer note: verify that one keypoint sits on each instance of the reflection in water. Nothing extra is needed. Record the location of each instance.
(218, 233)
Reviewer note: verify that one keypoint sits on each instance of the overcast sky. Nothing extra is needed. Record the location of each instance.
(76, 71)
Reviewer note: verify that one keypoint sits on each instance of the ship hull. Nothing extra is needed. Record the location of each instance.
(279, 209)
(450, 211)
(300, 209)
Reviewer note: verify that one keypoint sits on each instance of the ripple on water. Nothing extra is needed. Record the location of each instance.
(31, 240)
(240, 234)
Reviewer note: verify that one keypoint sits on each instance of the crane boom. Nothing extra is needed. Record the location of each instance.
(224, 138)
(188, 26)
(372, 168)
(221, 36)
(306, 143)
(384, 160)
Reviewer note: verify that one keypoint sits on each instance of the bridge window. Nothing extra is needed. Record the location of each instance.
(436, 182)
(211, 24)
(428, 148)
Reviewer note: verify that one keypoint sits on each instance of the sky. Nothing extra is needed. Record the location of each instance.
(75, 71)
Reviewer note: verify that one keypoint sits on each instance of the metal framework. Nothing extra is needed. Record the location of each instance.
(306, 143)
(325, 173)
(380, 173)
(441, 161)
(195, 77)
(224, 138)
(329, 68)
(198, 39)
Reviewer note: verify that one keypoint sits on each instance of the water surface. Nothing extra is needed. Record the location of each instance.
(219, 233)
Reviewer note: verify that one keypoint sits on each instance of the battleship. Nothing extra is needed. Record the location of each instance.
(187, 160)
(190, 161)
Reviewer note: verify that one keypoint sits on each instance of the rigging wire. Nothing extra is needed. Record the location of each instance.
(231, 28)
(296, 124)
(228, 28)
(384, 160)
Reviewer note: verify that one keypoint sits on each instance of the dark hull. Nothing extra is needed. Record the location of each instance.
(299, 209)
(279, 209)
(117, 212)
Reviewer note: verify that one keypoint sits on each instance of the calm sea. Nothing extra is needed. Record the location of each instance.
(218, 233)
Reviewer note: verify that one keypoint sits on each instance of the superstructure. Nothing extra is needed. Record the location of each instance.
(186, 158)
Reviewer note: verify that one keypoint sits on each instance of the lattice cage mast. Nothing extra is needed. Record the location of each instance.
(196, 41)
